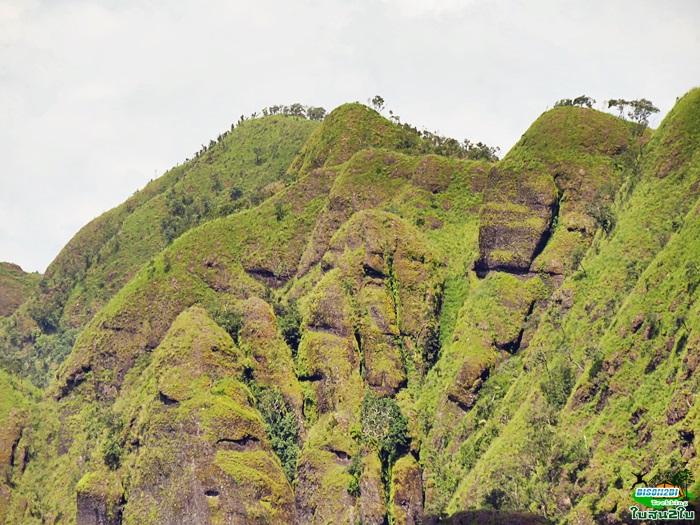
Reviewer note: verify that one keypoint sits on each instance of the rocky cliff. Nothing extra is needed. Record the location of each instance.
(389, 336)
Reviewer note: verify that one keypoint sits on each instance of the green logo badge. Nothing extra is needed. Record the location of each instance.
(666, 494)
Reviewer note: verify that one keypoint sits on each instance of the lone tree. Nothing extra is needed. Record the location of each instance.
(639, 111)
(378, 103)
(315, 113)
(581, 101)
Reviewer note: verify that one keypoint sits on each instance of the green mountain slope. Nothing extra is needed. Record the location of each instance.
(239, 170)
(15, 287)
(390, 336)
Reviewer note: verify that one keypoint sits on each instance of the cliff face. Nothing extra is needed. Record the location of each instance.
(391, 336)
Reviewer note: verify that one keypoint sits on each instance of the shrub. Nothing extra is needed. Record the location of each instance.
(355, 471)
(384, 427)
(280, 426)
(557, 385)
(230, 320)
(289, 323)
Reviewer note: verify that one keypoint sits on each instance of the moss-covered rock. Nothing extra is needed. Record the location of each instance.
(100, 496)
(322, 475)
(221, 466)
(372, 496)
(520, 202)
(406, 499)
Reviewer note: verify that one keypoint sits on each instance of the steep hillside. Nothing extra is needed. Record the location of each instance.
(16, 398)
(241, 169)
(604, 386)
(391, 336)
(15, 287)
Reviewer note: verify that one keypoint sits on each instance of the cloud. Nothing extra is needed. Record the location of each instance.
(97, 96)
(419, 8)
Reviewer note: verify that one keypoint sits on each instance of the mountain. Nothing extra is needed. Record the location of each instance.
(386, 331)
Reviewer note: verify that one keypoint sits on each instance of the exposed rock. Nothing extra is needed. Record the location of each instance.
(322, 482)
(636, 322)
(678, 407)
(468, 382)
(406, 502)
(519, 204)
(372, 499)
(383, 362)
(99, 499)
(493, 517)
(11, 429)
(15, 287)
(433, 173)
(204, 458)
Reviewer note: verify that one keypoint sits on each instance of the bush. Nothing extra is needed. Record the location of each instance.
(557, 385)
(431, 344)
(230, 320)
(495, 499)
(289, 323)
(281, 427)
(384, 427)
(355, 471)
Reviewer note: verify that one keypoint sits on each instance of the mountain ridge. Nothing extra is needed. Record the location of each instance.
(390, 336)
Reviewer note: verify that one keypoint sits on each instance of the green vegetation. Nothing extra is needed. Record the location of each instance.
(384, 328)
(384, 427)
(281, 426)
(243, 167)
(15, 287)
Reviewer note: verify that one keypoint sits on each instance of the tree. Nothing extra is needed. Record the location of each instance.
(640, 112)
(315, 113)
(581, 101)
(378, 103)
(557, 385)
(618, 103)
(296, 110)
(384, 427)
(258, 155)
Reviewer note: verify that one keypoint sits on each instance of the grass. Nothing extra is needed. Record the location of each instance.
(377, 245)
(242, 168)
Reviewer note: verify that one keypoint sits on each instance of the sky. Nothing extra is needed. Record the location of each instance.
(99, 97)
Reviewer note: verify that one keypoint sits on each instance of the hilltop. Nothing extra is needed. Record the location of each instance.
(16, 286)
(365, 326)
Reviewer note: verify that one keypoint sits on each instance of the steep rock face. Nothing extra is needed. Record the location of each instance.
(369, 178)
(14, 409)
(289, 364)
(519, 204)
(322, 475)
(99, 500)
(372, 504)
(193, 442)
(407, 492)
(568, 166)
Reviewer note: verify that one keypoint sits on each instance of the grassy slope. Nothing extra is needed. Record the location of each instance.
(245, 166)
(326, 240)
(629, 336)
(15, 287)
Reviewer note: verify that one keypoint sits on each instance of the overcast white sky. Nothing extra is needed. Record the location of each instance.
(98, 96)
